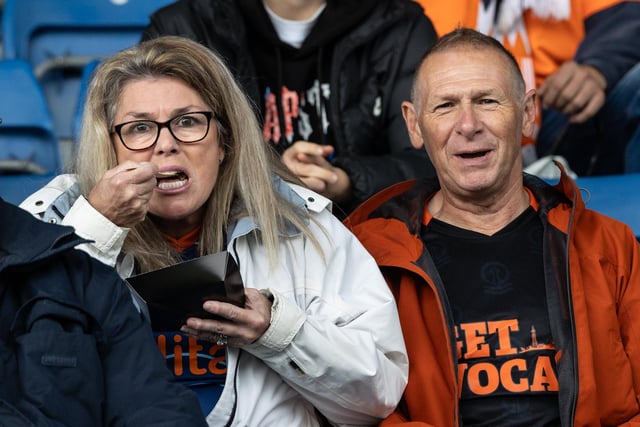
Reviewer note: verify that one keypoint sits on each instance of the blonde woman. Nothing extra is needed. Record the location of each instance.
(172, 166)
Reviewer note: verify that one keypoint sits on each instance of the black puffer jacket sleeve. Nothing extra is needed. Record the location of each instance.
(612, 41)
(189, 19)
(394, 159)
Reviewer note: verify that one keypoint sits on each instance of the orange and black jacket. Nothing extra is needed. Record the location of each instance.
(592, 270)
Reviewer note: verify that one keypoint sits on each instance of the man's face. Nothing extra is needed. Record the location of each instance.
(470, 118)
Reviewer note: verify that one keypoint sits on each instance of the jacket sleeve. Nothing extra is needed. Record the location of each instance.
(335, 335)
(396, 419)
(60, 202)
(373, 172)
(629, 314)
(612, 41)
(174, 19)
(139, 389)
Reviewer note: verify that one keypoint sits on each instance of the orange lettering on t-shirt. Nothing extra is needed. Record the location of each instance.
(162, 345)
(490, 374)
(544, 378)
(474, 340)
(213, 365)
(506, 376)
(194, 348)
(177, 355)
(504, 328)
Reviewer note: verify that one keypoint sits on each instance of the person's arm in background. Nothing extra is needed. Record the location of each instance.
(612, 41)
(611, 47)
(184, 22)
(371, 173)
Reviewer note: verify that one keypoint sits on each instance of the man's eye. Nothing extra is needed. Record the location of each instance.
(488, 101)
(444, 106)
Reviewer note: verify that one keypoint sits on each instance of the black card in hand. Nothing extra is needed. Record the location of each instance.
(174, 293)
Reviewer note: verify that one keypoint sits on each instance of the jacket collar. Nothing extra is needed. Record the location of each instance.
(298, 196)
(25, 240)
(405, 201)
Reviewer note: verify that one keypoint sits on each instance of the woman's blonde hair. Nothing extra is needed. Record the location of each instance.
(245, 179)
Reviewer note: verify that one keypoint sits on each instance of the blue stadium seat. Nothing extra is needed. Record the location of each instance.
(15, 188)
(87, 73)
(29, 152)
(58, 37)
(27, 141)
(617, 196)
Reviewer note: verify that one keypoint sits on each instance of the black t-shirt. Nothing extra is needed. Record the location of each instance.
(506, 355)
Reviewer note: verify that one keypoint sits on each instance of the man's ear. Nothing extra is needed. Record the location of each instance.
(411, 120)
(529, 116)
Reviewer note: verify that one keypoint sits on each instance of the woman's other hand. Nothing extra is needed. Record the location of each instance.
(242, 326)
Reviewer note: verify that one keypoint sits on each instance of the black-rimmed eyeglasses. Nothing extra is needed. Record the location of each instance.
(139, 135)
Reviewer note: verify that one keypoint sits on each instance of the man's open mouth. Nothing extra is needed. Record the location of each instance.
(474, 155)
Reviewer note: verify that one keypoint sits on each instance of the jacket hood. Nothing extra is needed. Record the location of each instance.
(25, 240)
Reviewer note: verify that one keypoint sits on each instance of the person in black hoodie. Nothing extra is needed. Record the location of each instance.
(327, 78)
(74, 350)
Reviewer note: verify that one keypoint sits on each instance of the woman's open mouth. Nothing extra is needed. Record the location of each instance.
(171, 180)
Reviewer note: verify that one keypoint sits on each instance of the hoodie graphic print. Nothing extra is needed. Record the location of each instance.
(295, 82)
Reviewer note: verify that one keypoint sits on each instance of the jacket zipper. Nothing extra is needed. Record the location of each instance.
(574, 343)
(432, 277)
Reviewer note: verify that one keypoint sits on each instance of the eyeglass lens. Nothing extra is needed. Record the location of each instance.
(141, 134)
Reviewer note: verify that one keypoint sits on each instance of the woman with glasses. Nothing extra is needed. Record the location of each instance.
(172, 166)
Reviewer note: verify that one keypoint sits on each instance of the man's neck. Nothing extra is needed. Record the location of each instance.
(294, 10)
(487, 216)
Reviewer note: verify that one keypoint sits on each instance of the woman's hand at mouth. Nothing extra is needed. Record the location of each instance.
(122, 195)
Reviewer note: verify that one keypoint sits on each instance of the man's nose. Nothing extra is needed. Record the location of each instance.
(468, 123)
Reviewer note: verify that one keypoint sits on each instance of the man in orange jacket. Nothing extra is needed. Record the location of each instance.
(519, 306)
(583, 57)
